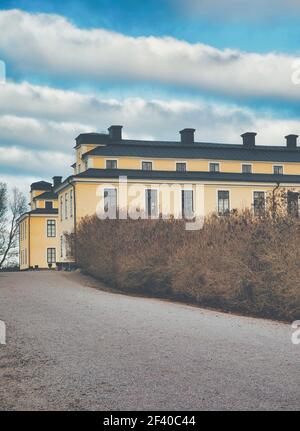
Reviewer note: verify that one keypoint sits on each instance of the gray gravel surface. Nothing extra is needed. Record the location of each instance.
(73, 347)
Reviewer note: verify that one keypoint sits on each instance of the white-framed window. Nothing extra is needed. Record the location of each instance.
(66, 205)
(71, 203)
(151, 203)
(181, 166)
(110, 203)
(51, 228)
(259, 202)
(61, 246)
(61, 208)
(214, 167)
(277, 169)
(146, 165)
(51, 255)
(187, 204)
(223, 202)
(246, 168)
(111, 164)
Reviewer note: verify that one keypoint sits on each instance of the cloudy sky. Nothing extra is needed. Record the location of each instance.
(156, 66)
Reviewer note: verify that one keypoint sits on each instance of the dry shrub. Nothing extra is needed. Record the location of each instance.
(235, 263)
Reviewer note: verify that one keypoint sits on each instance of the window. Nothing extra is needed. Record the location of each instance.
(21, 231)
(151, 206)
(180, 167)
(246, 169)
(61, 246)
(187, 204)
(278, 169)
(48, 205)
(293, 204)
(25, 256)
(51, 228)
(259, 203)
(110, 203)
(71, 203)
(223, 202)
(51, 255)
(214, 167)
(66, 205)
(61, 208)
(111, 164)
(147, 166)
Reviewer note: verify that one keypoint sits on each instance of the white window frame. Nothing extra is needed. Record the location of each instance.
(158, 202)
(103, 197)
(52, 219)
(111, 160)
(48, 248)
(190, 189)
(181, 161)
(147, 161)
(66, 205)
(276, 164)
(247, 164)
(217, 199)
(71, 202)
(216, 163)
(258, 191)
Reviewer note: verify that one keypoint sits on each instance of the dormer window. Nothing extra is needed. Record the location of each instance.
(147, 166)
(49, 205)
(246, 168)
(111, 164)
(181, 167)
(277, 169)
(214, 167)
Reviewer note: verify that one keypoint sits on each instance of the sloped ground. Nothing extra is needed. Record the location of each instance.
(74, 347)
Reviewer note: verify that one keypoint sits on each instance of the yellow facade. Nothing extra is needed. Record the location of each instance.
(192, 165)
(38, 239)
(99, 165)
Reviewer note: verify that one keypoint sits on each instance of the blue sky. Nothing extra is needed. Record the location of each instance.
(156, 66)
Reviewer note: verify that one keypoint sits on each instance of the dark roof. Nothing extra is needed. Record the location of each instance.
(46, 195)
(43, 211)
(187, 176)
(92, 138)
(41, 185)
(197, 150)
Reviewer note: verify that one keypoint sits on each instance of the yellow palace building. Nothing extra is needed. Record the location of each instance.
(116, 177)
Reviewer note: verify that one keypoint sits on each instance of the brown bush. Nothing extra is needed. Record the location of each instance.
(235, 263)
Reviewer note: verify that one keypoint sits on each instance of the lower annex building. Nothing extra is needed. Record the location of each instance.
(113, 176)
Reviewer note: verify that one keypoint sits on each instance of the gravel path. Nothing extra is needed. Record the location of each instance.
(73, 347)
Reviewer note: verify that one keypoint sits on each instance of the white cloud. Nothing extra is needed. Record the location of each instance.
(33, 146)
(51, 45)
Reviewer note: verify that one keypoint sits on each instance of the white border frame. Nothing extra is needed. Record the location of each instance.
(51, 219)
(224, 189)
(216, 162)
(247, 164)
(158, 202)
(277, 164)
(181, 161)
(111, 159)
(147, 161)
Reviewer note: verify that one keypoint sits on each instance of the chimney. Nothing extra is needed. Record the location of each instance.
(187, 136)
(56, 181)
(291, 141)
(115, 133)
(249, 139)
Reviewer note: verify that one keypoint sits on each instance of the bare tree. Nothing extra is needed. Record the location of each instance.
(10, 210)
